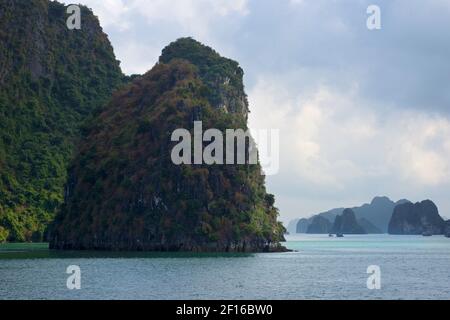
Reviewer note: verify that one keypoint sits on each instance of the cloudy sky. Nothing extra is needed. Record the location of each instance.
(361, 113)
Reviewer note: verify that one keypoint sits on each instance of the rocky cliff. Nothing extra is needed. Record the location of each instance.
(51, 80)
(347, 224)
(302, 225)
(125, 193)
(319, 225)
(378, 212)
(368, 226)
(447, 229)
(419, 218)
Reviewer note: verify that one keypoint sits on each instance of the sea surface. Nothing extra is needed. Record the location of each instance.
(411, 267)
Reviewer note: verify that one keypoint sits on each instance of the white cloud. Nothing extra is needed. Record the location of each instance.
(190, 15)
(296, 2)
(318, 131)
(420, 150)
(112, 13)
(335, 140)
(139, 58)
(140, 29)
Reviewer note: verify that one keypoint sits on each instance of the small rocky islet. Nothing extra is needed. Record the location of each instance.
(417, 218)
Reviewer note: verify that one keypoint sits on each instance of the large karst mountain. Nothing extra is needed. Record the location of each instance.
(51, 80)
(125, 193)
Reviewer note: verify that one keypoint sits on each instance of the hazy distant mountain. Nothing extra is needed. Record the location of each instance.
(346, 223)
(378, 212)
(369, 226)
(292, 226)
(331, 214)
(319, 225)
(373, 217)
(302, 225)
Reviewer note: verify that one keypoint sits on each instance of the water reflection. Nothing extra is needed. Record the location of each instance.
(41, 251)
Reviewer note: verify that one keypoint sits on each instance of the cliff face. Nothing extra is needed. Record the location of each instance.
(319, 225)
(51, 79)
(347, 224)
(302, 225)
(378, 212)
(368, 226)
(224, 77)
(418, 218)
(124, 192)
(447, 229)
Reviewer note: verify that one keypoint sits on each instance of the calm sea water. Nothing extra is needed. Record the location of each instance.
(412, 267)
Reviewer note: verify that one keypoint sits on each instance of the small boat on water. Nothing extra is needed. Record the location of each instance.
(339, 235)
(427, 234)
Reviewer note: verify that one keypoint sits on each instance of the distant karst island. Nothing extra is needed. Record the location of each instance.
(382, 215)
(417, 218)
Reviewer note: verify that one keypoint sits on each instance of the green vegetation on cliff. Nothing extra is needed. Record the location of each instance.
(223, 77)
(51, 80)
(124, 192)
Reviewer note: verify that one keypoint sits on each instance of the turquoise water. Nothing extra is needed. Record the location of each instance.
(412, 267)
